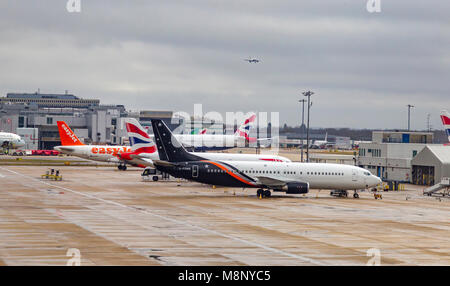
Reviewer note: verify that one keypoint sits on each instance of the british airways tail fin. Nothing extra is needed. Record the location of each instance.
(140, 141)
(68, 137)
(244, 129)
(445, 116)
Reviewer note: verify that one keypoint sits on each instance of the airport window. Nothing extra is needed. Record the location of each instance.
(49, 120)
(21, 121)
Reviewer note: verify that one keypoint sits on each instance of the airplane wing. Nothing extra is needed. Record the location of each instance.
(65, 148)
(142, 160)
(271, 182)
(163, 163)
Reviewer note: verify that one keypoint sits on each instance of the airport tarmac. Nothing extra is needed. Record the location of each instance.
(114, 218)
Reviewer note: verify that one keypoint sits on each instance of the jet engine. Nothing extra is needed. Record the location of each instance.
(296, 188)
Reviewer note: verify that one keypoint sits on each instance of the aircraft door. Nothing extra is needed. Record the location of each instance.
(194, 171)
(354, 176)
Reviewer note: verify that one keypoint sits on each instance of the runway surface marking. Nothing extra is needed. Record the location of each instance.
(180, 222)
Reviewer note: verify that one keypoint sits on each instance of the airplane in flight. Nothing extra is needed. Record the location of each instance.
(71, 145)
(289, 177)
(250, 60)
(445, 117)
(10, 141)
(143, 149)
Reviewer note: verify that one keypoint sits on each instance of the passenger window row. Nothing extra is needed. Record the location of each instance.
(278, 172)
(325, 173)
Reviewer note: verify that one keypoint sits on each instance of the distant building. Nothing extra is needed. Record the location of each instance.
(91, 121)
(389, 154)
(49, 100)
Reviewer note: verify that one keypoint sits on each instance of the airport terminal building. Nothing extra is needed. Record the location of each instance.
(409, 157)
(34, 117)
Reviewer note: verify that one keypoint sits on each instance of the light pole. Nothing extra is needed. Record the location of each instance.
(308, 94)
(409, 116)
(301, 127)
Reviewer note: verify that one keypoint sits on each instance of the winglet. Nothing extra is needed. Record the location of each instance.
(68, 137)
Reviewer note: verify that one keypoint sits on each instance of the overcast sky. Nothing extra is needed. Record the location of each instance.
(168, 55)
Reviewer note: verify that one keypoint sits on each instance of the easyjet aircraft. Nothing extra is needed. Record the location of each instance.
(71, 145)
(445, 116)
(292, 178)
(143, 149)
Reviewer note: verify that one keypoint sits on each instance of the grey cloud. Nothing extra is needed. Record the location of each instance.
(171, 54)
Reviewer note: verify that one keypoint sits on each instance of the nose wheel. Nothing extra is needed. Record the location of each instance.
(356, 195)
(260, 193)
(122, 167)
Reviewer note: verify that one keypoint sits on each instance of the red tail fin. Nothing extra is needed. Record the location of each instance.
(68, 138)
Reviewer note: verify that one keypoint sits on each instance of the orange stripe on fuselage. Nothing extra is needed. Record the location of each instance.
(229, 172)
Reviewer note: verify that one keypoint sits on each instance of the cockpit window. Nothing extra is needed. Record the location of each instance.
(367, 173)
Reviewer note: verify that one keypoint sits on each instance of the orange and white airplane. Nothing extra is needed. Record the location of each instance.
(71, 145)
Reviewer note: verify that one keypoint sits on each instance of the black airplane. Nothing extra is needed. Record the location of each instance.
(289, 177)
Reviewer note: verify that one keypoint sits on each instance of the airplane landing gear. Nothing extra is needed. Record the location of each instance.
(339, 193)
(260, 193)
(122, 167)
(356, 195)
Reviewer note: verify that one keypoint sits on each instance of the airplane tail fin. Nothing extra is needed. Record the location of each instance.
(169, 148)
(140, 141)
(244, 129)
(445, 116)
(68, 137)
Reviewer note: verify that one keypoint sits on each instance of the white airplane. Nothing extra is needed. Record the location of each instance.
(321, 144)
(71, 145)
(143, 149)
(11, 141)
(445, 116)
(292, 178)
(202, 142)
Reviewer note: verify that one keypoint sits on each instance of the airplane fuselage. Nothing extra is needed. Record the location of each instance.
(102, 153)
(210, 141)
(245, 174)
(11, 140)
